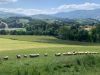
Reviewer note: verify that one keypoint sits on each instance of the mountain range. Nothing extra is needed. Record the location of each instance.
(82, 14)
(95, 14)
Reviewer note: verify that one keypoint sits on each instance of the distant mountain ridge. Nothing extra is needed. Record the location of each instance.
(78, 14)
(43, 16)
(95, 14)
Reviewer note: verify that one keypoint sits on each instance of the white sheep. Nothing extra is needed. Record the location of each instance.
(18, 56)
(69, 53)
(80, 53)
(5, 58)
(34, 55)
(25, 56)
(94, 53)
(58, 54)
(45, 54)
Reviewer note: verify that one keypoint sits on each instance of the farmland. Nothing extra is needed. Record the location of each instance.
(50, 65)
(49, 37)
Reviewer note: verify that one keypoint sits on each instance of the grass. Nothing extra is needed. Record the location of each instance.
(69, 68)
(27, 42)
(51, 65)
(9, 29)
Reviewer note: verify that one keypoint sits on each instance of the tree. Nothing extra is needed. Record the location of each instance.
(93, 36)
(98, 32)
(4, 32)
(63, 33)
(83, 35)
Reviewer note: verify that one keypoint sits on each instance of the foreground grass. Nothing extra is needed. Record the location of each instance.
(51, 65)
(76, 66)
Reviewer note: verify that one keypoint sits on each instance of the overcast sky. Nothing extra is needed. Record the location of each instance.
(31, 7)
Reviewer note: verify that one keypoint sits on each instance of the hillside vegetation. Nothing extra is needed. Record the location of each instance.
(83, 30)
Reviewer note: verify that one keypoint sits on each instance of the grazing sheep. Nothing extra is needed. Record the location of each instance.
(86, 53)
(64, 53)
(34, 55)
(18, 56)
(69, 53)
(58, 54)
(89, 52)
(80, 53)
(5, 58)
(76, 53)
(45, 54)
(25, 56)
(94, 53)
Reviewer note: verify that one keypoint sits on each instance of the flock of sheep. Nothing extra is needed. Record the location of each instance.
(75, 53)
(57, 54)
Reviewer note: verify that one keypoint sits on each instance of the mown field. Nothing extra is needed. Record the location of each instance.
(50, 65)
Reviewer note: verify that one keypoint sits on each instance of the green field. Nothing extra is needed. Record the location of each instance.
(50, 65)
(9, 29)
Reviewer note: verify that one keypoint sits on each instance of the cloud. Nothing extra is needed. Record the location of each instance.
(7, 1)
(23, 11)
(62, 8)
(72, 7)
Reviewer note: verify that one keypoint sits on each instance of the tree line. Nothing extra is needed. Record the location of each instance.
(61, 30)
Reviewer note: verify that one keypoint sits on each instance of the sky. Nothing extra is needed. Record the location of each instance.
(32, 7)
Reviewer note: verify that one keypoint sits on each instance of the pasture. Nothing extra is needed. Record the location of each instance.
(50, 65)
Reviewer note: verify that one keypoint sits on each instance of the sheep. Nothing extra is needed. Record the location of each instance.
(18, 56)
(64, 53)
(34, 55)
(80, 53)
(83, 53)
(58, 54)
(89, 52)
(76, 53)
(5, 58)
(86, 53)
(94, 53)
(45, 54)
(25, 56)
(69, 53)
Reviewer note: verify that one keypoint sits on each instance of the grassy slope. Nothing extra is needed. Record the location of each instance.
(27, 43)
(46, 65)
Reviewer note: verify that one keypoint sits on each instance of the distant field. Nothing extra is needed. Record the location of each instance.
(50, 65)
(22, 43)
(13, 29)
(27, 42)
